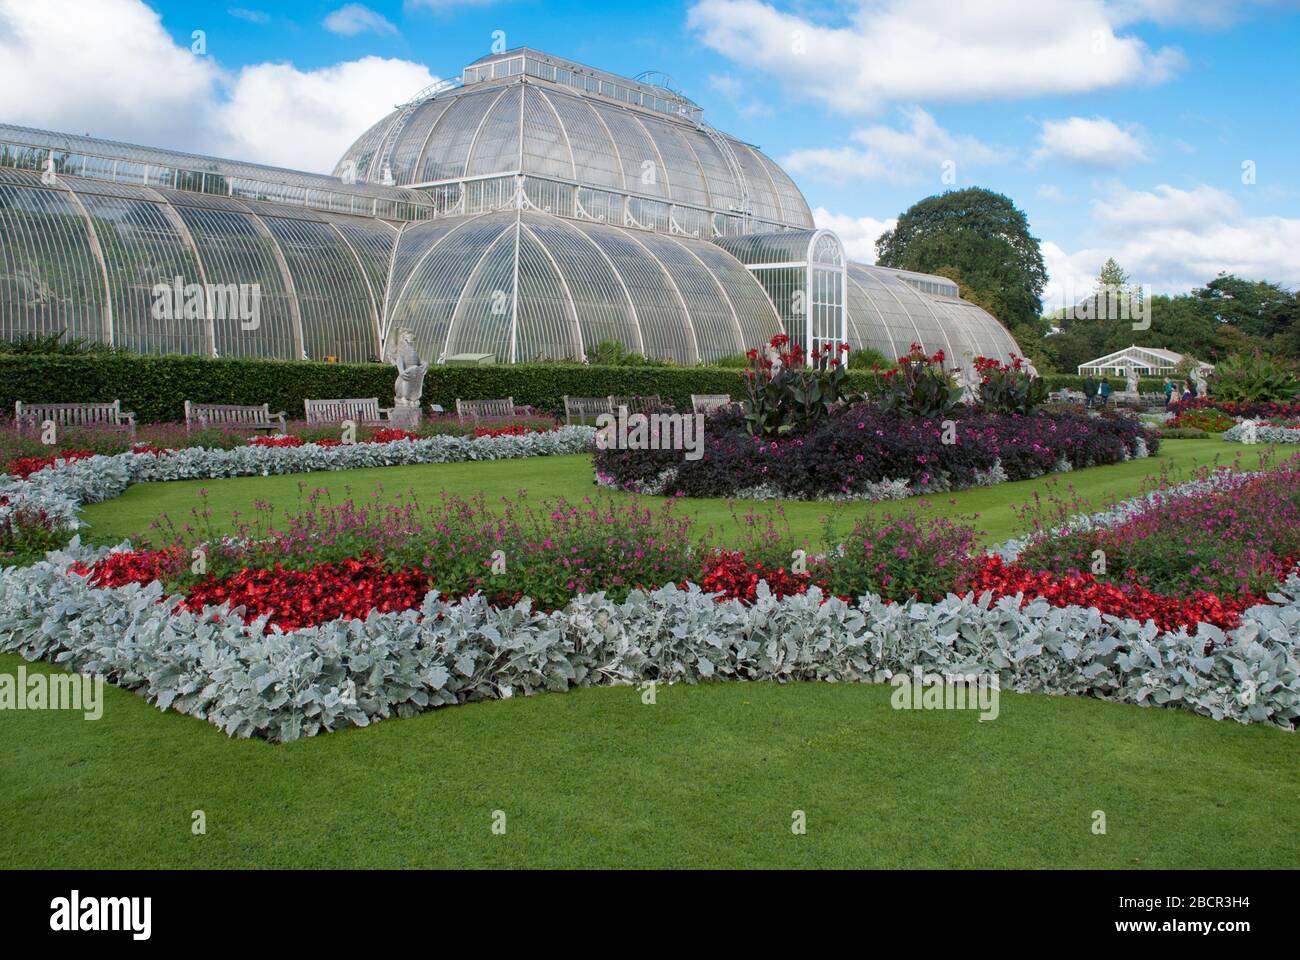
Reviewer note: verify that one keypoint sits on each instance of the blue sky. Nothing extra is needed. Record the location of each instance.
(1121, 128)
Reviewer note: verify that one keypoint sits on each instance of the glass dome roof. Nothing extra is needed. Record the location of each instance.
(551, 132)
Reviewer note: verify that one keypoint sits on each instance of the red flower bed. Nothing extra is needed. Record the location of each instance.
(283, 440)
(302, 598)
(734, 577)
(514, 430)
(1084, 590)
(24, 467)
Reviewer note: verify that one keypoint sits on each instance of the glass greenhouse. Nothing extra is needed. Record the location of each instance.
(530, 209)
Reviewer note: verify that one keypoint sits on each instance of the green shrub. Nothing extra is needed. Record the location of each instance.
(1183, 433)
(156, 387)
(1254, 378)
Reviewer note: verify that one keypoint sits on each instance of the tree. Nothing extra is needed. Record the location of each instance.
(1112, 275)
(983, 237)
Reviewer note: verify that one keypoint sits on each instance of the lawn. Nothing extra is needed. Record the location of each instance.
(131, 514)
(707, 776)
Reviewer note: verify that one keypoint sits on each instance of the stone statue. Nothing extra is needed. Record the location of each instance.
(969, 380)
(409, 385)
(1131, 380)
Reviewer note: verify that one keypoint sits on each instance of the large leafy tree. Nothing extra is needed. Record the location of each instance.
(981, 235)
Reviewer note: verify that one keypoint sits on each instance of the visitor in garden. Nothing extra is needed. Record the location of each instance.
(1187, 390)
(1104, 391)
(1089, 391)
(1169, 392)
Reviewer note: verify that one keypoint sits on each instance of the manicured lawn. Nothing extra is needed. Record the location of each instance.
(706, 777)
(571, 477)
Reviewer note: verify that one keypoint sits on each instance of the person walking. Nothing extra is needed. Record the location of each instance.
(1104, 391)
(1169, 392)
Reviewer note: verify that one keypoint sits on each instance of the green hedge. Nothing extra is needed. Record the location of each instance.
(1071, 381)
(156, 387)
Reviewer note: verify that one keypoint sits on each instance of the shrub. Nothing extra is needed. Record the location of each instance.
(1008, 388)
(26, 533)
(786, 394)
(918, 386)
(864, 452)
(1183, 433)
(1254, 378)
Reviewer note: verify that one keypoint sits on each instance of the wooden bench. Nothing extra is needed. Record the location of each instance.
(475, 410)
(584, 408)
(636, 404)
(73, 415)
(358, 410)
(239, 416)
(708, 402)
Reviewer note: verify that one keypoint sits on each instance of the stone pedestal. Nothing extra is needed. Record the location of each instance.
(406, 415)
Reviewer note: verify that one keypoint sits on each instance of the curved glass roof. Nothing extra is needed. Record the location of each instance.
(528, 285)
(888, 313)
(549, 131)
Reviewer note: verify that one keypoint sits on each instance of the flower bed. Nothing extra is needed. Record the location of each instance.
(861, 452)
(18, 446)
(59, 490)
(1237, 411)
(1264, 433)
(1207, 419)
(250, 680)
(1205, 556)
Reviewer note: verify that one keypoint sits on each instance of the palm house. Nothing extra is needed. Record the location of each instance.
(532, 208)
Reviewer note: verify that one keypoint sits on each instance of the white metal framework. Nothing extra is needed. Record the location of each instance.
(532, 209)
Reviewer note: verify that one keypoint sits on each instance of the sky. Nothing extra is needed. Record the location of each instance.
(1158, 132)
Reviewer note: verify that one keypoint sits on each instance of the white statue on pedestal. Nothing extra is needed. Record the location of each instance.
(409, 385)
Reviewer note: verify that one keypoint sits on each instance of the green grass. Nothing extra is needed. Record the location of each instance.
(131, 514)
(708, 776)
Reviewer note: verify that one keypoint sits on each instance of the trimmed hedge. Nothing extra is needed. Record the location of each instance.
(156, 387)
(1072, 381)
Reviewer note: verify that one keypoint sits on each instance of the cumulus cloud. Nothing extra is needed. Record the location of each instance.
(1095, 142)
(312, 116)
(859, 234)
(920, 150)
(269, 113)
(1173, 240)
(910, 50)
(354, 18)
(96, 68)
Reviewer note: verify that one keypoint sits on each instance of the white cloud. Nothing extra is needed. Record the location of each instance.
(920, 151)
(353, 18)
(1173, 240)
(252, 16)
(96, 68)
(269, 113)
(1050, 191)
(909, 50)
(1163, 207)
(306, 119)
(1097, 142)
(858, 234)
